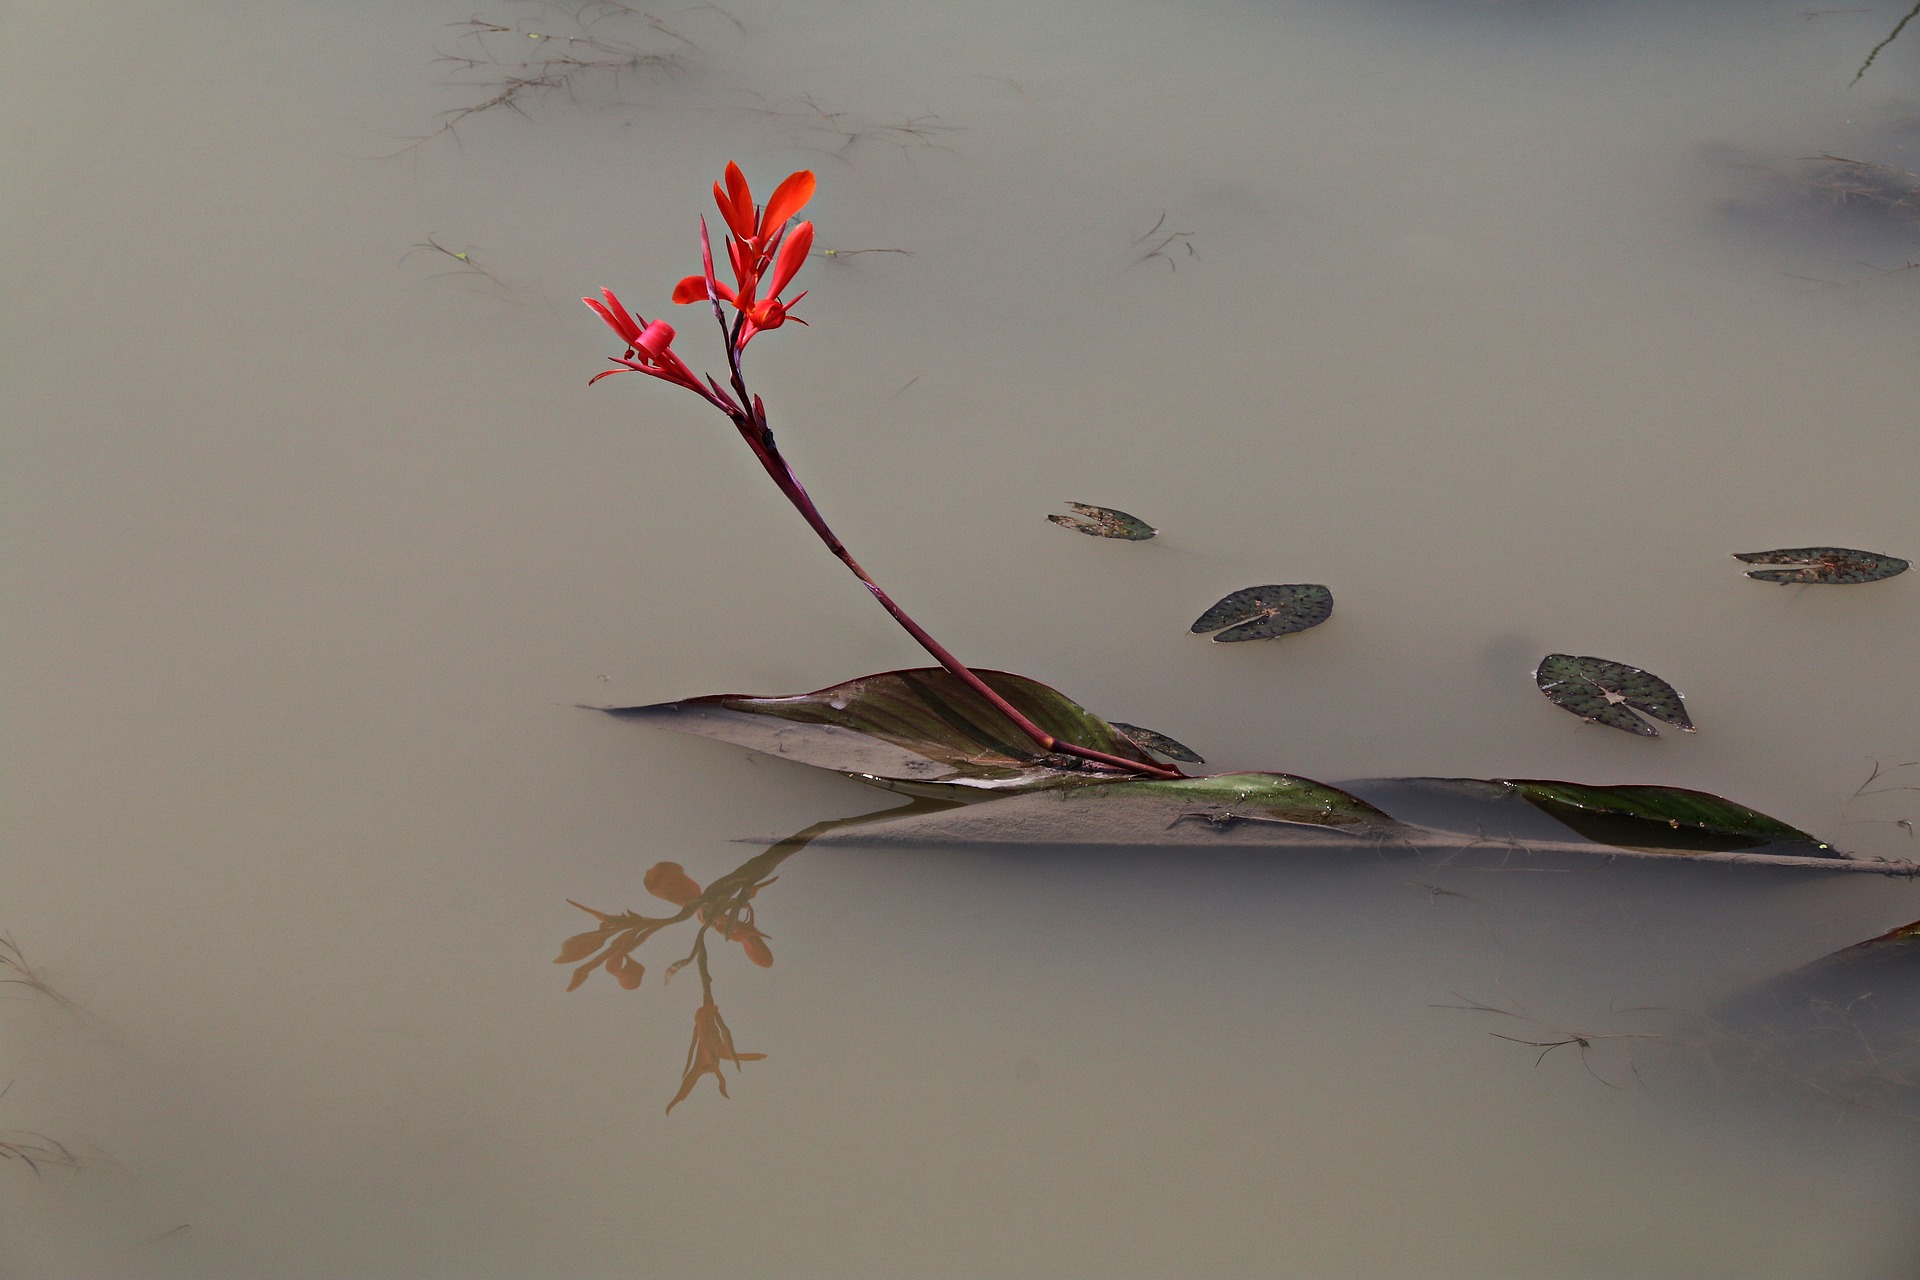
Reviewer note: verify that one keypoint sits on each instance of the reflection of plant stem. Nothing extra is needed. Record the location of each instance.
(749, 417)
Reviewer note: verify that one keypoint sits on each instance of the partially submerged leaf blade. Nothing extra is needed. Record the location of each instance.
(1600, 690)
(1828, 566)
(1664, 819)
(921, 725)
(1160, 743)
(1266, 612)
(1105, 522)
(1226, 810)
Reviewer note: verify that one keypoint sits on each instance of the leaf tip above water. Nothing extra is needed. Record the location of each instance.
(1104, 522)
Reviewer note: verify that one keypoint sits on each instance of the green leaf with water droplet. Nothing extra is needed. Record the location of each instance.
(1105, 522)
(1601, 691)
(1151, 740)
(1264, 613)
(1664, 819)
(1826, 566)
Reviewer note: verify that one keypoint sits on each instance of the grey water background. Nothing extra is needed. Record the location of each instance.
(1497, 326)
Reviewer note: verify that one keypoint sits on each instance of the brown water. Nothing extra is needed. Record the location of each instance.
(1493, 321)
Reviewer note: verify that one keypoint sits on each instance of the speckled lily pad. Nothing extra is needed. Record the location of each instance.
(1828, 566)
(1602, 691)
(1264, 613)
(1105, 522)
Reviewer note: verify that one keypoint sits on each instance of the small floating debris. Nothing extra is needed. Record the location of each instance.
(1105, 522)
(1827, 566)
(1266, 613)
(1160, 743)
(1601, 691)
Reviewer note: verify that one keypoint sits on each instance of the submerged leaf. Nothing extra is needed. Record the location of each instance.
(1105, 522)
(1263, 613)
(1223, 811)
(919, 726)
(1601, 691)
(1151, 740)
(1664, 819)
(1831, 566)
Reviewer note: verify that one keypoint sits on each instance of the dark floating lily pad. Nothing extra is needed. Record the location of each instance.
(1105, 522)
(1601, 691)
(1171, 748)
(1830, 566)
(1264, 613)
(1664, 819)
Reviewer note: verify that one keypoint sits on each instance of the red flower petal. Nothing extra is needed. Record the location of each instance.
(793, 256)
(736, 203)
(788, 199)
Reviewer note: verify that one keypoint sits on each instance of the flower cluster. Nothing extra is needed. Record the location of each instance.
(764, 255)
(760, 239)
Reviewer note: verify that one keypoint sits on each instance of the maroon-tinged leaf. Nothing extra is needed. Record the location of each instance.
(921, 726)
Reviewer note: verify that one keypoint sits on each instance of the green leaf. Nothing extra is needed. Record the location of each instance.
(1264, 613)
(1159, 743)
(1105, 522)
(1601, 691)
(920, 726)
(1664, 819)
(1830, 566)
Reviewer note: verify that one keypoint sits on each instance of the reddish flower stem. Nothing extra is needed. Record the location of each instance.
(751, 422)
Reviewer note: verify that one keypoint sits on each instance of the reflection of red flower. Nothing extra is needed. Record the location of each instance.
(712, 1045)
(669, 880)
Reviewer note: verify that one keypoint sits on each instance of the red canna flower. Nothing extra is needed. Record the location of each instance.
(759, 238)
(649, 346)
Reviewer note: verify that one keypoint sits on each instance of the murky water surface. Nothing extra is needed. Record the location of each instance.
(1509, 322)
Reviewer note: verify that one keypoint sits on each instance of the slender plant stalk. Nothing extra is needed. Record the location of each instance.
(750, 419)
